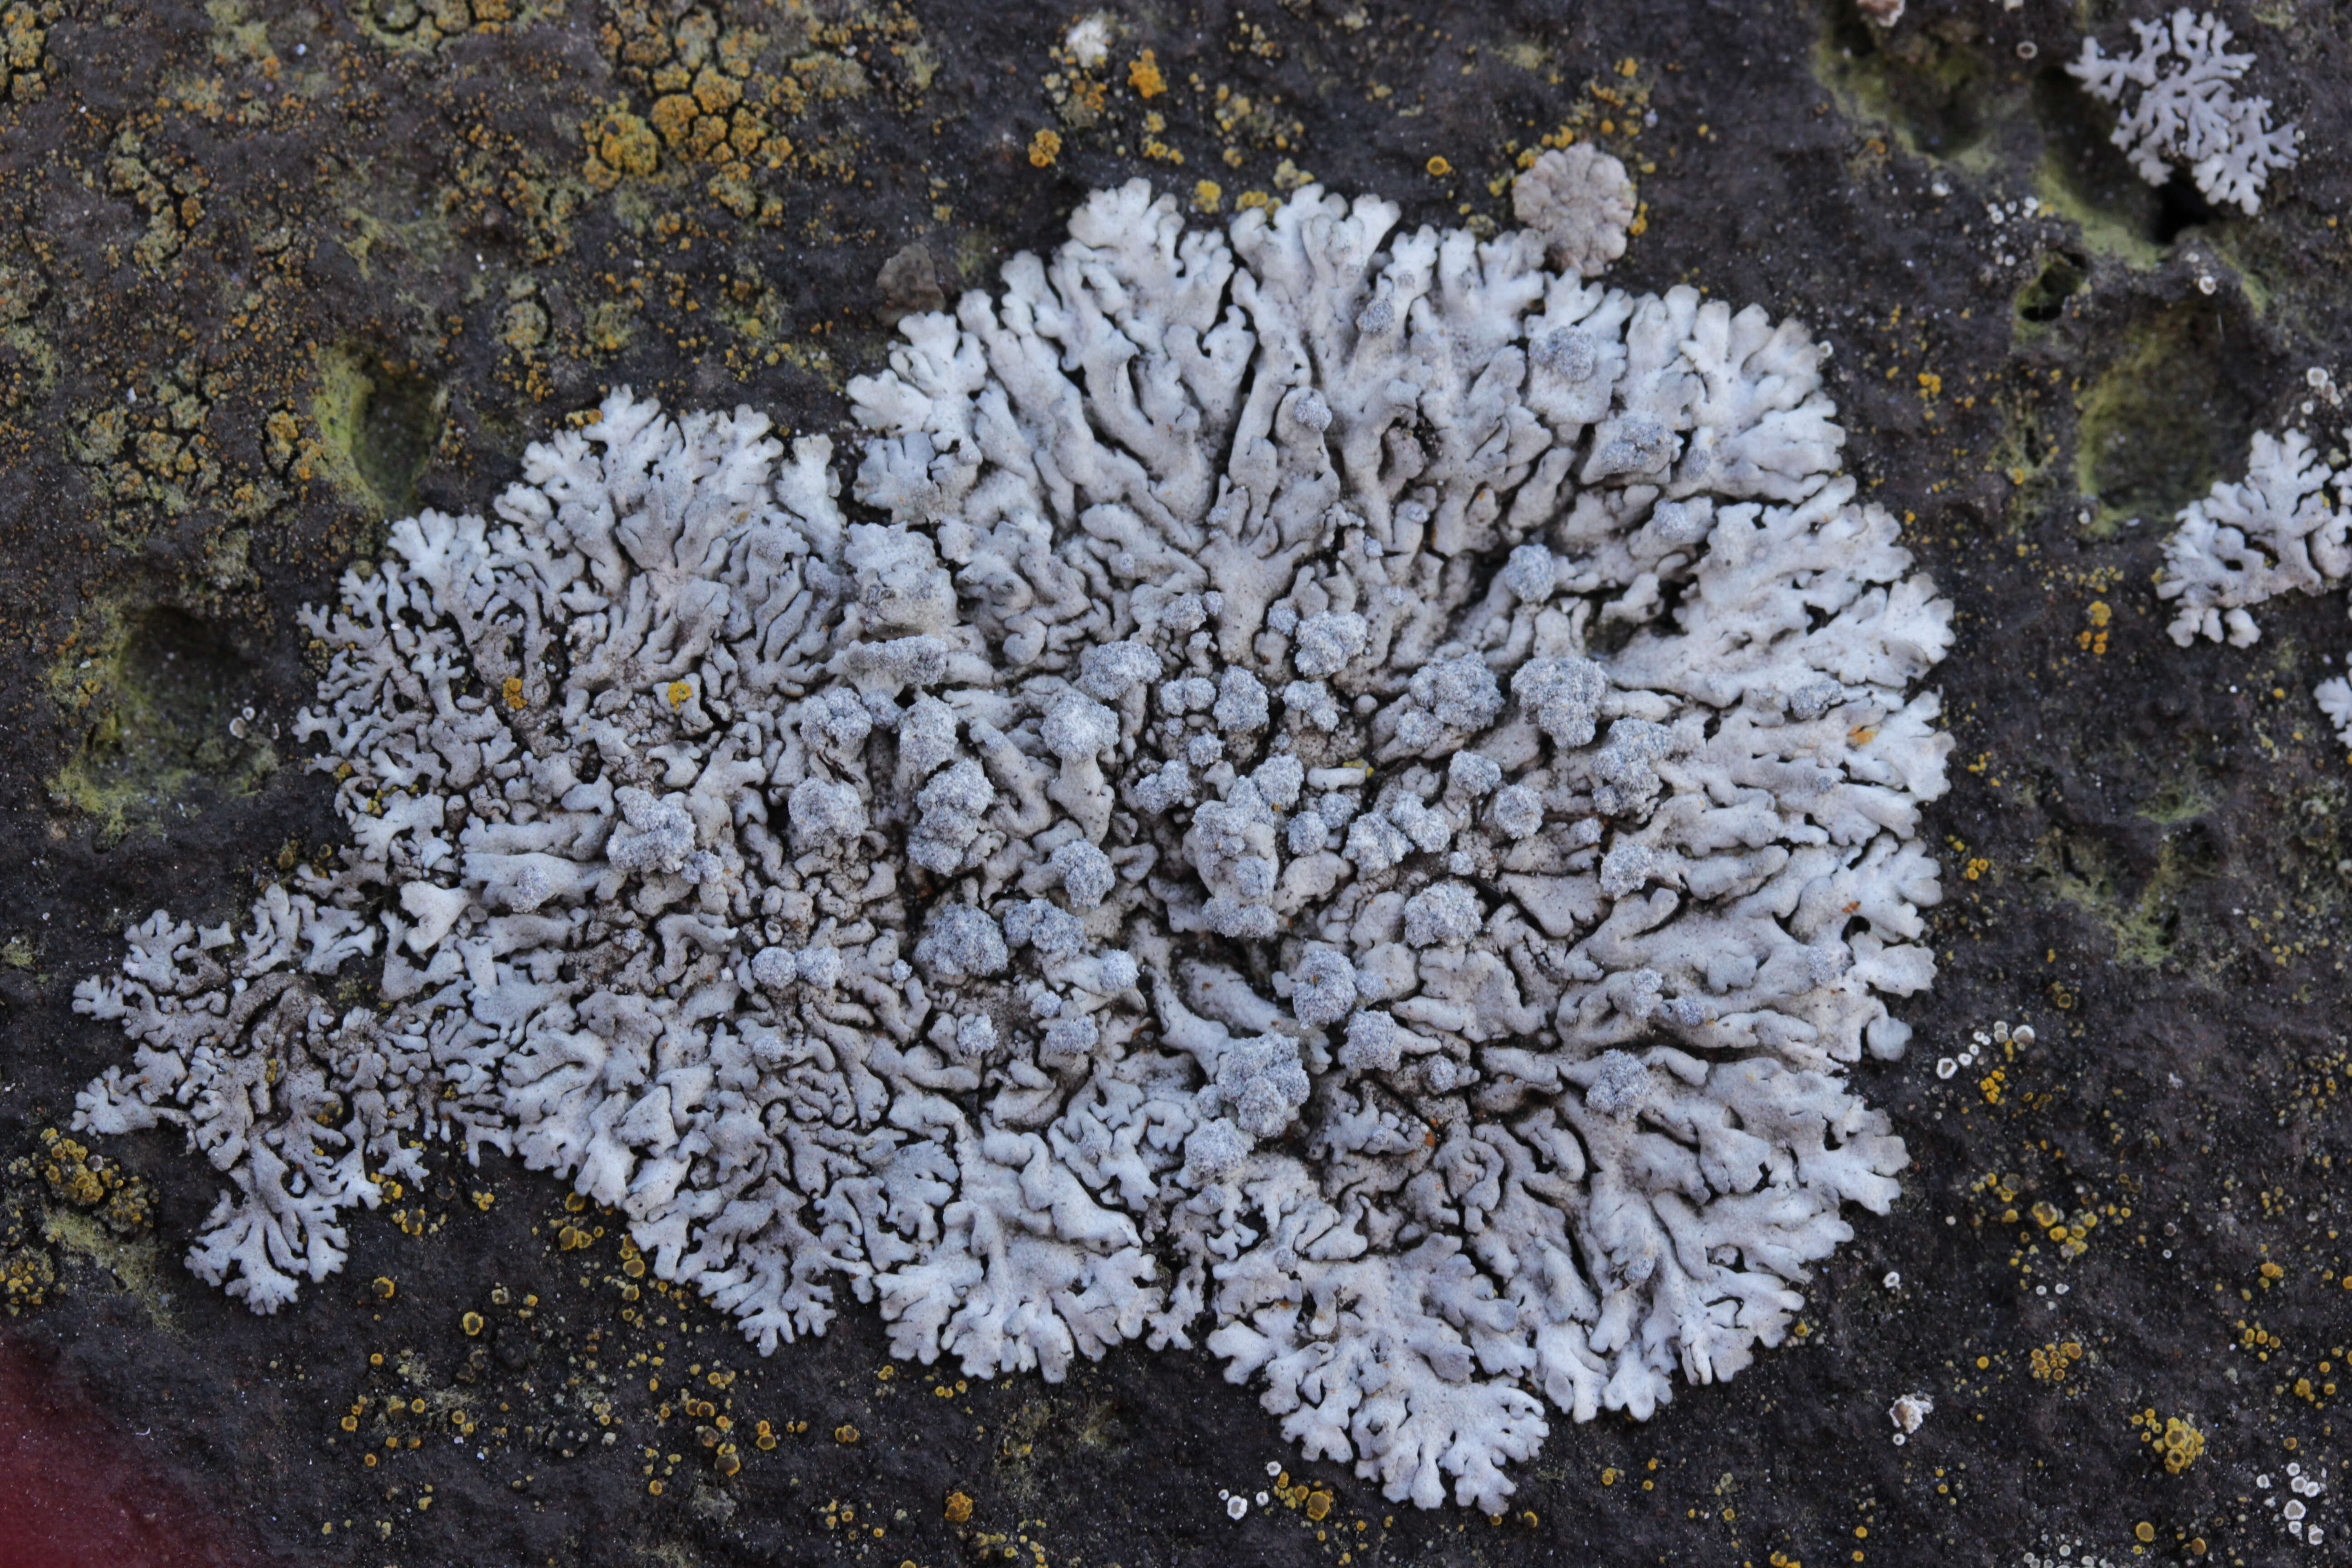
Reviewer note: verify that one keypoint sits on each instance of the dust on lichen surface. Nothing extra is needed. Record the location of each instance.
(219, 227)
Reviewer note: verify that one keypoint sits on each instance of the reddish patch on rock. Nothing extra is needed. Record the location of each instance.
(77, 1492)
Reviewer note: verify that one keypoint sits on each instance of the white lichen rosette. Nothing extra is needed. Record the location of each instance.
(1347, 797)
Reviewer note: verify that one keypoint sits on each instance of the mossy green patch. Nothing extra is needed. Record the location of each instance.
(236, 37)
(2160, 423)
(162, 703)
(2145, 927)
(2104, 228)
(2176, 801)
(377, 424)
(136, 1262)
(1935, 93)
(2022, 452)
(2083, 178)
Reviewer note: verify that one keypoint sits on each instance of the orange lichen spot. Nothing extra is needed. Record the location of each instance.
(959, 1508)
(1608, 1475)
(678, 694)
(1438, 167)
(621, 145)
(368, 1459)
(350, 1423)
(654, 1486)
(674, 115)
(1044, 147)
(2094, 639)
(1931, 383)
(1207, 196)
(1975, 870)
(2180, 1445)
(2052, 1362)
(513, 690)
(471, 1324)
(2272, 1271)
(383, 1288)
(845, 1433)
(1143, 75)
(1318, 1506)
(727, 1462)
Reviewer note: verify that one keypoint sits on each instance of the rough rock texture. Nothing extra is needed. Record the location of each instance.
(245, 321)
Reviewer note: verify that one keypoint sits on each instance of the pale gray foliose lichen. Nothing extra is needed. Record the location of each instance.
(2183, 110)
(1348, 798)
(2285, 528)
(2246, 541)
(1580, 200)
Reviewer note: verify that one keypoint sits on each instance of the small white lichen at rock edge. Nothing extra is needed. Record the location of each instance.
(1348, 799)
(2178, 108)
(2285, 528)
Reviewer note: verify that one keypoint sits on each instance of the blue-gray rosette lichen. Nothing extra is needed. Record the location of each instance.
(1340, 795)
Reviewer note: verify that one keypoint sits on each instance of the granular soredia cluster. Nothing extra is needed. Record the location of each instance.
(1344, 796)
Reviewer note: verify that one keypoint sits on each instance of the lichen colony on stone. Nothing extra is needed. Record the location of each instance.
(2249, 541)
(1348, 798)
(2184, 109)
(2285, 528)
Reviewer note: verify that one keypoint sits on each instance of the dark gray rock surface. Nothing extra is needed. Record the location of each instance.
(273, 270)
